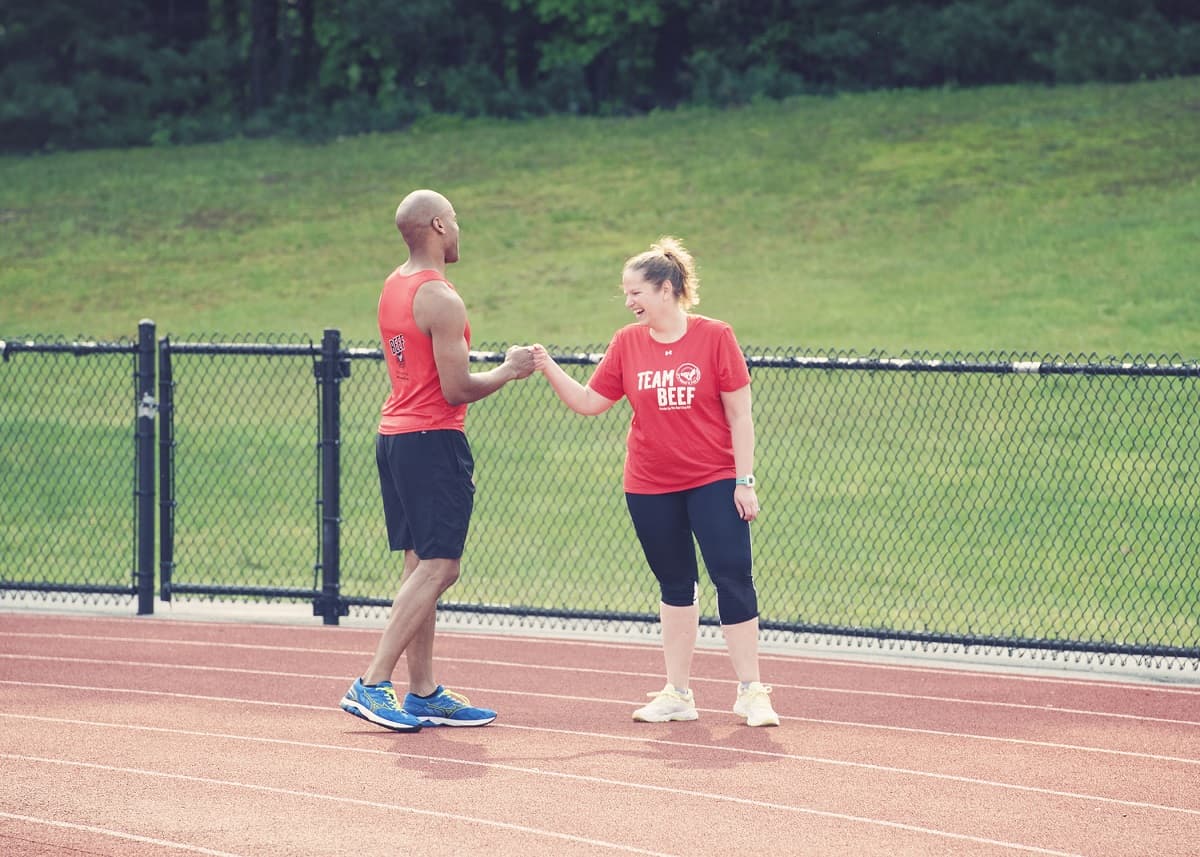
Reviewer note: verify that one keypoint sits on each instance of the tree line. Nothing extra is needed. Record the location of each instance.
(93, 73)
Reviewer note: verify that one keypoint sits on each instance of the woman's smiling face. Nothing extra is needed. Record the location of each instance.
(646, 300)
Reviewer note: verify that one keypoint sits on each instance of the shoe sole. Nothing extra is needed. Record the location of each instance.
(449, 721)
(667, 718)
(352, 707)
(770, 721)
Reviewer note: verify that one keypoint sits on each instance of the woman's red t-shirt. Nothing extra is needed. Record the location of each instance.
(679, 437)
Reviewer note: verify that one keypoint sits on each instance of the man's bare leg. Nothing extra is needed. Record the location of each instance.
(412, 620)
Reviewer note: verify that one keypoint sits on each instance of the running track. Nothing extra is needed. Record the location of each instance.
(144, 737)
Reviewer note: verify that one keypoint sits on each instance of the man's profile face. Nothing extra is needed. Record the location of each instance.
(450, 237)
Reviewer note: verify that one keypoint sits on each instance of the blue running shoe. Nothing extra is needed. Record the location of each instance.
(377, 703)
(446, 708)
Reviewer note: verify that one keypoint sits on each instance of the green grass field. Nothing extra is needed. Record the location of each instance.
(1020, 220)
(1017, 218)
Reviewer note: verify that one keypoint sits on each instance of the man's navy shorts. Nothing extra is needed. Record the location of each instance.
(428, 491)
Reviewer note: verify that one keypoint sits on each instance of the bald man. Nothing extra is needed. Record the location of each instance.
(425, 464)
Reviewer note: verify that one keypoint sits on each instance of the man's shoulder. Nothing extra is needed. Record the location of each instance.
(438, 292)
(438, 307)
(403, 276)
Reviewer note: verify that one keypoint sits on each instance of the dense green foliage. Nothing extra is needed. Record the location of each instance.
(133, 72)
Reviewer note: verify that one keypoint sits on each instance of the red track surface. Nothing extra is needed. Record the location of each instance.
(140, 737)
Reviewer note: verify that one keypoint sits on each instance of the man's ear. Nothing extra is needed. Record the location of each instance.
(438, 226)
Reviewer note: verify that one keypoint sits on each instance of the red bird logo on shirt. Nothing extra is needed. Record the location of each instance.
(688, 373)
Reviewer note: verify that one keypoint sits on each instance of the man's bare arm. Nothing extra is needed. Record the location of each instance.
(440, 312)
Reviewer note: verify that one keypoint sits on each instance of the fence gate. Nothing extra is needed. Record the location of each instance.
(248, 493)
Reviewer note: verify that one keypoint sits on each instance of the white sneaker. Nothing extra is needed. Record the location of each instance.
(668, 704)
(754, 703)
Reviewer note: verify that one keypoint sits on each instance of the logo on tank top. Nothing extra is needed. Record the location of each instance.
(674, 389)
(396, 346)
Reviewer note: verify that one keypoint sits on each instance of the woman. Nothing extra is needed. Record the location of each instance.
(688, 467)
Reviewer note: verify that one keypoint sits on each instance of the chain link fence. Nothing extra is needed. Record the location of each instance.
(995, 500)
(76, 468)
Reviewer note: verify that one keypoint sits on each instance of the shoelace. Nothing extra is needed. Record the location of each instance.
(457, 697)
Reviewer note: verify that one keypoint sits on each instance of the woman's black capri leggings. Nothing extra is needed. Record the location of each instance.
(665, 524)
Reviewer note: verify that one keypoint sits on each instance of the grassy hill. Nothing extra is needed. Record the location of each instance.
(1027, 219)
(1055, 221)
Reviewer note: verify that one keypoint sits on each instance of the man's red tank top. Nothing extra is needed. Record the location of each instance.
(416, 402)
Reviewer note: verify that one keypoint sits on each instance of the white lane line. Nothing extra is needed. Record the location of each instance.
(756, 804)
(117, 834)
(787, 659)
(449, 816)
(816, 760)
(941, 733)
(885, 694)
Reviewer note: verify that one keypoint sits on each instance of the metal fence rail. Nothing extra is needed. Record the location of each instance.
(1006, 501)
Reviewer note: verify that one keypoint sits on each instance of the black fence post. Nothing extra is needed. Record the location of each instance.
(166, 470)
(330, 372)
(147, 408)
